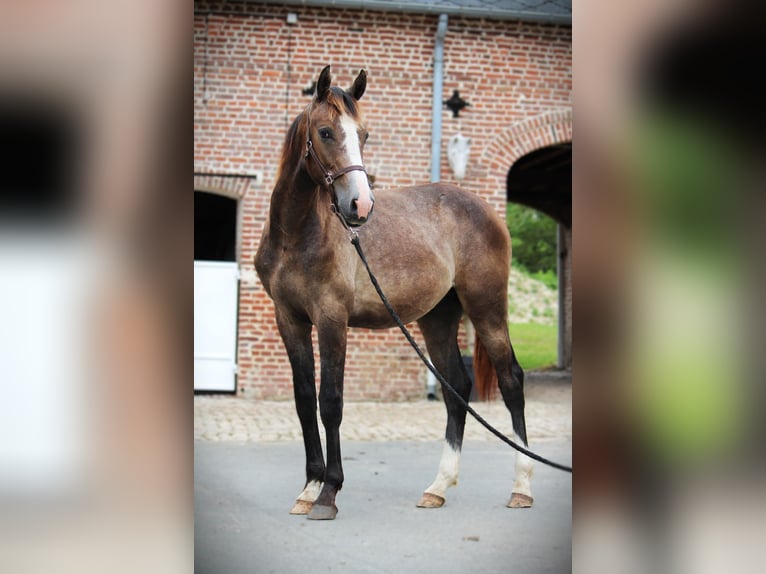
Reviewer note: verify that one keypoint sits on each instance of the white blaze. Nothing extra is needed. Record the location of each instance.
(357, 179)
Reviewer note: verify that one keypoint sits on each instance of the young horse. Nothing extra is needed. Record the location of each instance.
(437, 250)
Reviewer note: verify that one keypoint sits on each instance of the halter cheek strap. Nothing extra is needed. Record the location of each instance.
(329, 176)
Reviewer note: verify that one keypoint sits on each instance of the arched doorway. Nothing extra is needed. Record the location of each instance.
(542, 180)
(216, 293)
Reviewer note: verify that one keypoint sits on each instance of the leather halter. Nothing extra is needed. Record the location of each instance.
(329, 176)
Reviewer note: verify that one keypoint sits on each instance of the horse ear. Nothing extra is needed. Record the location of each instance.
(360, 84)
(323, 84)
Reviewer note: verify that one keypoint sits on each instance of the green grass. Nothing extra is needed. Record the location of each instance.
(548, 277)
(535, 345)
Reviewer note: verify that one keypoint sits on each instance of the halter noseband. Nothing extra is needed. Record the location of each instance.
(329, 177)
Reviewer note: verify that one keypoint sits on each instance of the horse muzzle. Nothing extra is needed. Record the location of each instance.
(359, 212)
(356, 207)
(361, 207)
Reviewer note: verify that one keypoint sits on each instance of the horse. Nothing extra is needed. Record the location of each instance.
(438, 252)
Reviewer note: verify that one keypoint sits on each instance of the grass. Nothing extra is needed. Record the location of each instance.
(535, 345)
(548, 277)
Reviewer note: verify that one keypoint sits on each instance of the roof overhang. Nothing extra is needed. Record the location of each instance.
(548, 12)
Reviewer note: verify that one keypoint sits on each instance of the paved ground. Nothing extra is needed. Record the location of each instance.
(226, 418)
(248, 468)
(243, 493)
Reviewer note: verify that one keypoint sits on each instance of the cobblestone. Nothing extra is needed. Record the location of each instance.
(225, 418)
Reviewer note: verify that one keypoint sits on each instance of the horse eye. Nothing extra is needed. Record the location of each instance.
(366, 136)
(325, 134)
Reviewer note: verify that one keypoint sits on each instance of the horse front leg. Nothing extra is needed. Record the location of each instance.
(296, 336)
(332, 356)
(449, 465)
(440, 329)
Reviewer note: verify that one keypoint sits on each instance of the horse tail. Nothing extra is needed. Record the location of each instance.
(484, 374)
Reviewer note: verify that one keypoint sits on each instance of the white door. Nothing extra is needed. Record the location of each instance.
(215, 325)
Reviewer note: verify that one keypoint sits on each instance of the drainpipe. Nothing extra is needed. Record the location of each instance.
(436, 110)
(436, 137)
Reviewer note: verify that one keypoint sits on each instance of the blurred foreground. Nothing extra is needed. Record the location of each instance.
(95, 296)
(96, 287)
(668, 282)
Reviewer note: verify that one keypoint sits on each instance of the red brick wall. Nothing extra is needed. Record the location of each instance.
(513, 74)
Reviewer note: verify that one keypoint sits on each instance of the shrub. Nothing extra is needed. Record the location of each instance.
(533, 237)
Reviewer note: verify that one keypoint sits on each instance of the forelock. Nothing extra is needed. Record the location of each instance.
(342, 102)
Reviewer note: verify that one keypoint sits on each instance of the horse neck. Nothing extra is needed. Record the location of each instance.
(296, 207)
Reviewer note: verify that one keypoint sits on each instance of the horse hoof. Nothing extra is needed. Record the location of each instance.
(429, 500)
(323, 512)
(301, 507)
(519, 500)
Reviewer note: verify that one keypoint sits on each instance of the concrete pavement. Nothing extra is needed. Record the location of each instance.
(249, 468)
(243, 493)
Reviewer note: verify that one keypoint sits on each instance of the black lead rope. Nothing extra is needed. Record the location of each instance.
(355, 242)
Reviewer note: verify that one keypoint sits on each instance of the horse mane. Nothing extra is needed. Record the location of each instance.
(292, 149)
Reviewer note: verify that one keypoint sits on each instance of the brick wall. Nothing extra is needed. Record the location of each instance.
(249, 69)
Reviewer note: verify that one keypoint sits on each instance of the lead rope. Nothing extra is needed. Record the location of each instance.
(354, 237)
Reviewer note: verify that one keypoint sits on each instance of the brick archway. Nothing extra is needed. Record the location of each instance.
(522, 137)
(231, 187)
(488, 177)
(490, 181)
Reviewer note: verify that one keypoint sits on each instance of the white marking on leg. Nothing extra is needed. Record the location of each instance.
(447, 476)
(311, 492)
(523, 470)
(357, 179)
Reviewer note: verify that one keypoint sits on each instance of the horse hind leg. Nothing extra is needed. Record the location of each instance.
(440, 328)
(510, 379)
(513, 396)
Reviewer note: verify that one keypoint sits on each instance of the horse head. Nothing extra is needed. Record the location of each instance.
(335, 140)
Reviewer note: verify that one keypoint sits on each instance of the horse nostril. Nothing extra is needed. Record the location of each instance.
(355, 212)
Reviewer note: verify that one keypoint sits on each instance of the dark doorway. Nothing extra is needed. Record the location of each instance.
(542, 179)
(215, 227)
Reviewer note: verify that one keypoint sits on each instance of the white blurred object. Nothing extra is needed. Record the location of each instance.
(458, 149)
(43, 281)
